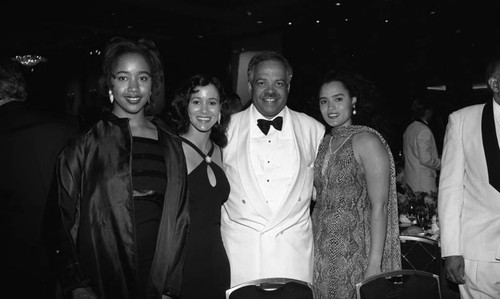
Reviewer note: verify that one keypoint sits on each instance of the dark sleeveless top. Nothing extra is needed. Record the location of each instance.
(149, 182)
(206, 268)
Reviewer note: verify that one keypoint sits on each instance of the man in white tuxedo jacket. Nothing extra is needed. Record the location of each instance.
(420, 151)
(469, 196)
(265, 223)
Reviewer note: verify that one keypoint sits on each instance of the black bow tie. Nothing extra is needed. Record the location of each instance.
(265, 124)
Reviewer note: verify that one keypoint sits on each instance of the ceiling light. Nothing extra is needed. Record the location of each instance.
(29, 60)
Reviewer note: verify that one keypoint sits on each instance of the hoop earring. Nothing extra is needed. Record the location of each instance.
(218, 121)
(111, 98)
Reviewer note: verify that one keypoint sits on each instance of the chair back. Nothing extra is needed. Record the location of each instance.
(271, 288)
(403, 284)
(418, 253)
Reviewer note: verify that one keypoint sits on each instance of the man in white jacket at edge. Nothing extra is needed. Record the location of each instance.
(469, 195)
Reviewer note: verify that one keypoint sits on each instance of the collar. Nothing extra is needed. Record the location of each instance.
(496, 107)
(420, 120)
(255, 115)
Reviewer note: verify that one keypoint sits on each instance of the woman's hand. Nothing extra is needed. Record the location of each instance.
(372, 270)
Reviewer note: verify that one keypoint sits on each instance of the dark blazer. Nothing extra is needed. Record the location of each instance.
(95, 246)
(30, 141)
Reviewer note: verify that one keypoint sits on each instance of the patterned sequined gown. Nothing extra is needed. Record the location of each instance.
(341, 219)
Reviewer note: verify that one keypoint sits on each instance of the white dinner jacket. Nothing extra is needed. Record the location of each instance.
(468, 206)
(421, 157)
(258, 243)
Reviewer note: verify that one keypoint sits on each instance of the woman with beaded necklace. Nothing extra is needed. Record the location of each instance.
(355, 221)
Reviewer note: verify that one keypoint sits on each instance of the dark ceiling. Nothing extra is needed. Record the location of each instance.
(429, 41)
(402, 45)
(46, 26)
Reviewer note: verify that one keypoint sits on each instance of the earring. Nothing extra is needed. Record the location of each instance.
(218, 121)
(111, 98)
(353, 109)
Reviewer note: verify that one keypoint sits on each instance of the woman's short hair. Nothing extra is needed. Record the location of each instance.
(119, 46)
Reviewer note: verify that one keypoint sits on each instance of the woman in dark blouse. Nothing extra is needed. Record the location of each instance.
(122, 191)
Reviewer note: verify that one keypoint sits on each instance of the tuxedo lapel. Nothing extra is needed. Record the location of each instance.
(490, 144)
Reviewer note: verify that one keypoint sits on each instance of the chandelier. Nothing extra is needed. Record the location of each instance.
(29, 60)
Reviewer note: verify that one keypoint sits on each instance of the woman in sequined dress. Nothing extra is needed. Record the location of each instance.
(355, 223)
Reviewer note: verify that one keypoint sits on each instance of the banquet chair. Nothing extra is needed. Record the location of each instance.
(271, 288)
(407, 284)
(419, 253)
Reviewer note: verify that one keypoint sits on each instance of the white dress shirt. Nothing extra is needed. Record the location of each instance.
(496, 115)
(273, 158)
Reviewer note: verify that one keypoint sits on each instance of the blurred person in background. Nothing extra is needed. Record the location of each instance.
(30, 141)
(419, 149)
(234, 102)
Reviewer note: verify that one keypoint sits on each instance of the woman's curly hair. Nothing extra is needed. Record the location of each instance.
(180, 116)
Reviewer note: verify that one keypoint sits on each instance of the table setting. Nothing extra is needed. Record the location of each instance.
(418, 213)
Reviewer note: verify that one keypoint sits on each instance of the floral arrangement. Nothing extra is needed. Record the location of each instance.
(416, 203)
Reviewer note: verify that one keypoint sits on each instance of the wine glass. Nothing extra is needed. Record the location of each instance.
(422, 219)
(411, 213)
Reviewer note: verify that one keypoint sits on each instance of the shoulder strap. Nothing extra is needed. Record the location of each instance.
(209, 154)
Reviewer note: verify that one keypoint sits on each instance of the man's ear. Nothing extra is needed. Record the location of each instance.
(249, 87)
(493, 83)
